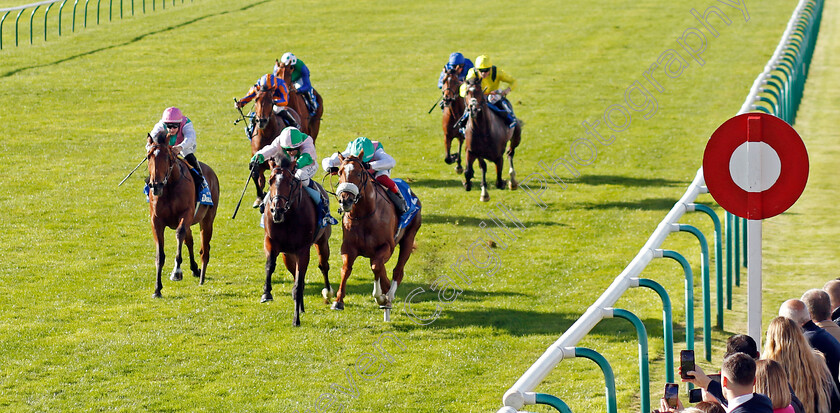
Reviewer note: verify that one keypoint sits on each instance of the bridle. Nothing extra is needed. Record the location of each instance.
(156, 147)
(262, 121)
(351, 188)
(449, 86)
(279, 175)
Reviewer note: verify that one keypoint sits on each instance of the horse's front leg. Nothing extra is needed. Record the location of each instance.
(181, 232)
(270, 264)
(188, 241)
(297, 265)
(470, 172)
(160, 256)
(347, 258)
(485, 196)
(459, 169)
(381, 283)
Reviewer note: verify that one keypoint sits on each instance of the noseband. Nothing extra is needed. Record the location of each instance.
(351, 188)
(295, 186)
(157, 147)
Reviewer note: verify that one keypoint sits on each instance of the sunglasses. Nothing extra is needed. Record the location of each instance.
(483, 70)
(173, 125)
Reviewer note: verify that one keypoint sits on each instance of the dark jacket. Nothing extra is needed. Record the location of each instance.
(716, 390)
(758, 404)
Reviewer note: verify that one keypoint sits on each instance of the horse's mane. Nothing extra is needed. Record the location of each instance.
(285, 163)
(160, 138)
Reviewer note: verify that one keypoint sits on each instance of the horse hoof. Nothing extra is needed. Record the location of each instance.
(295, 323)
(467, 186)
(266, 297)
(459, 170)
(500, 185)
(176, 276)
(257, 203)
(327, 294)
(449, 159)
(337, 306)
(484, 197)
(513, 185)
(157, 295)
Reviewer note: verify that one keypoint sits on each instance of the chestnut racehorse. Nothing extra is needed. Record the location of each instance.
(371, 227)
(487, 134)
(267, 127)
(172, 203)
(453, 109)
(310, 125)
(291, 229)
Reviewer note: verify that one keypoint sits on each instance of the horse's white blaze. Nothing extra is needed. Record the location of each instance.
(349, 167)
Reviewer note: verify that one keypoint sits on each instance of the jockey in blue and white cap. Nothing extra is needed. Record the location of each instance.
(457, 62)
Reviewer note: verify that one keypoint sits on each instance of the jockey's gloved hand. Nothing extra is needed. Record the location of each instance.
(366, 165)
(257, 159)
(236, 105)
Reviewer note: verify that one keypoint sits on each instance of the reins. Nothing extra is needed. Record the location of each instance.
(366, 177)
(171, 162)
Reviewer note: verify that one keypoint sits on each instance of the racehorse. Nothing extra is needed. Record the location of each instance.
(453, 109)
(371, 230)
(291, 229)
(267, 127)
(172, 203)
(310, 125)
(486, 137)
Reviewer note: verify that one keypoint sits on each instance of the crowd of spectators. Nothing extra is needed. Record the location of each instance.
(798, 370)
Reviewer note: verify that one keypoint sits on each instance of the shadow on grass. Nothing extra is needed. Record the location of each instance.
(472, 221)
(455, 182)
(652, 204)
(626, 181)
(134, 40)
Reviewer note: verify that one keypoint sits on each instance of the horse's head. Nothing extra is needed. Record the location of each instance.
(282, 71)
(263, 107)
(352, 179)
(161, 161)
(451, 87)
(283, 186)
(474, 97)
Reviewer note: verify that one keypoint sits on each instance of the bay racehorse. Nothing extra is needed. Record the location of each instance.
(291, 229)
(267, 127)
(487, 135)
(371, 229)
(172, 203)
(453, 109)
(310, 125)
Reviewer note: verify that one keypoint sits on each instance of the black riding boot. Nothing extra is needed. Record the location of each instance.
(312, 102)
(287, 117)
(201, 189)
(399, 202)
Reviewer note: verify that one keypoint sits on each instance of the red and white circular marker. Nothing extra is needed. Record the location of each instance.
(755, 166)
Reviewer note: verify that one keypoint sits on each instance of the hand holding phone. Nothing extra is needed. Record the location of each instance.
(672, 391)
(686, 363)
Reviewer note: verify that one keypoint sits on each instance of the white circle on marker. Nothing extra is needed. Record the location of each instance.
(771, 166)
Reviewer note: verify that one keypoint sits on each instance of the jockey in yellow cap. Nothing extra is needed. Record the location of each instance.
(491, 79)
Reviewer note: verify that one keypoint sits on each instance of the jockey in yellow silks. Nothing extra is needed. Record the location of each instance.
(491, 80)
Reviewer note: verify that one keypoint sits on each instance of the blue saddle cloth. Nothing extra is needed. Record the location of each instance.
(411, 200)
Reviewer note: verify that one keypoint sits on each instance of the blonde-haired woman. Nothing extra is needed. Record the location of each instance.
(771, 381)
(806, 370)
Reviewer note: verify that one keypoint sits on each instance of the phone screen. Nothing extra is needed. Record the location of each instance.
(672, 391)
(686, 363)
(695, 395)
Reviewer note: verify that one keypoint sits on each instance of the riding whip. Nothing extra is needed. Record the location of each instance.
(247, 129)
(132, 171)
(436, 103)
(250, 174)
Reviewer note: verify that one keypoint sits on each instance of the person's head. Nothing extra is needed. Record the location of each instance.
(737, 375)
(291, 139)
(359, 145)
(288, 59)
(171, 119)
(483, 65)
(795, 310)
(268, 82)
(741, 343)
(833, 289)
(771, 381)
(707, 407)
(806, 372)
(455, 63)
(818, 304)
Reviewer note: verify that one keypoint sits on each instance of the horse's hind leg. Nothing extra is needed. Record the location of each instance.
(270, 264)
(346, 269)
(406, 248)
(322, 246)
(160, 258)
(469, 172)
(500, 164)
(485, 196)
(206, 235)
(514, 142)
(188, 241)
(180, 235)
(381, 283)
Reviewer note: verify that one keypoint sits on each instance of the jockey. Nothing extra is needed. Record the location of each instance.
(179, 129)
(458, 63)
(280, 96)
(491, 78)
(300, 78)
(378, 163)
(299, 148)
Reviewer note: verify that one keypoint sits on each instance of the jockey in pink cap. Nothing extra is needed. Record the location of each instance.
(181, 135)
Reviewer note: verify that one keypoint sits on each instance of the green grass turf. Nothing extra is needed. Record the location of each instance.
(79, 330)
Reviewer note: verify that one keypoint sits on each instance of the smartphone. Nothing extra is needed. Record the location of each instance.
(715, 377)
(686, 363)
(695, 395)
(672, 392)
